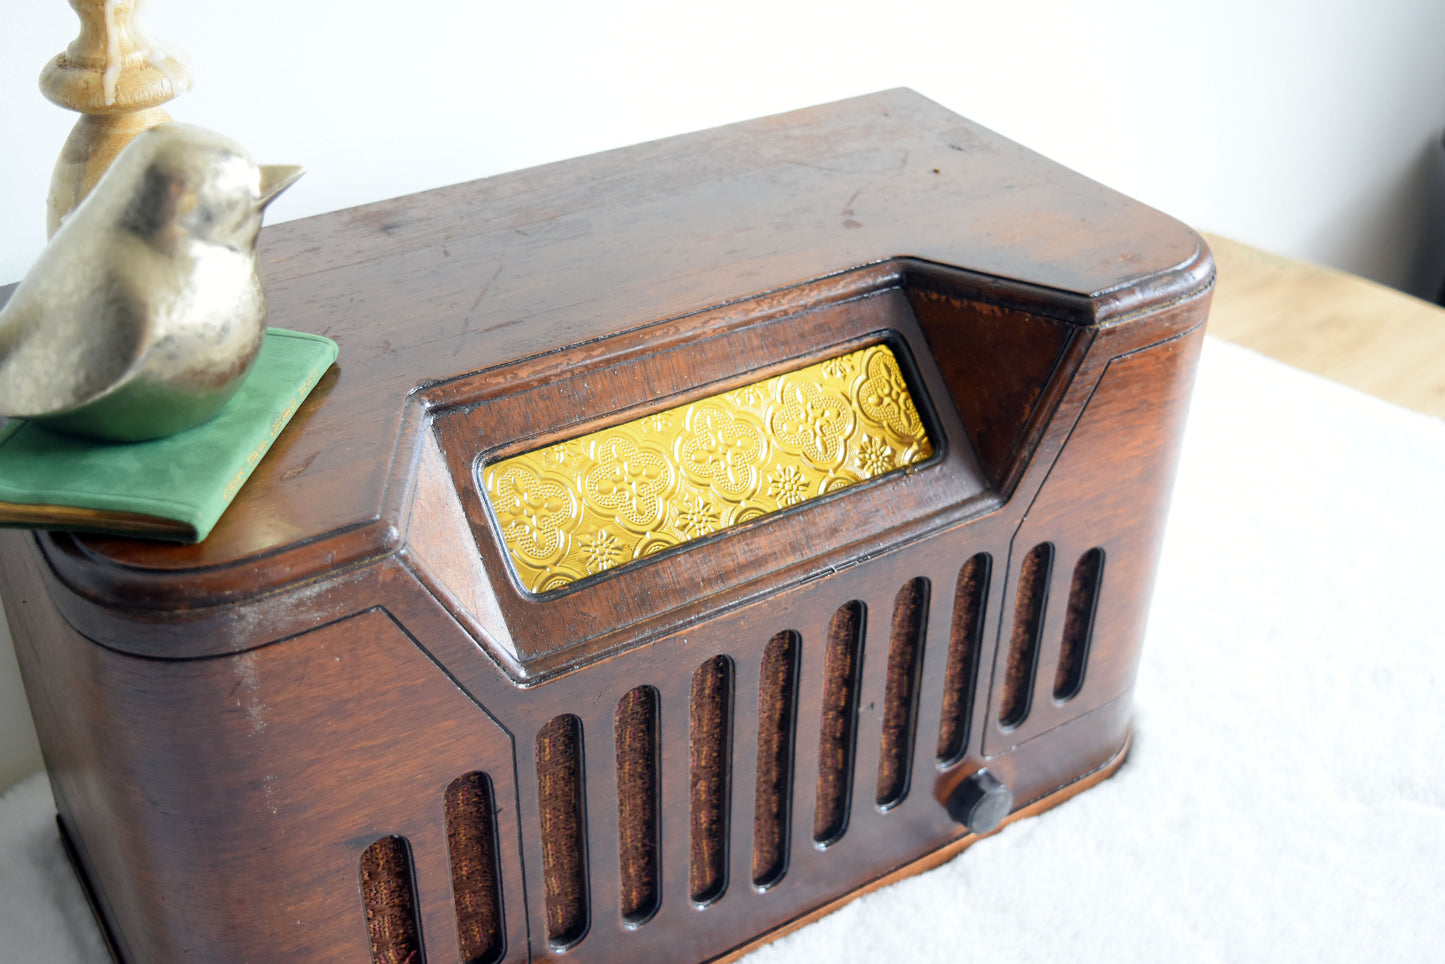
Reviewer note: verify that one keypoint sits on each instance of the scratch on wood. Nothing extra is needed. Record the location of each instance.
(467, 318)
(290, 474)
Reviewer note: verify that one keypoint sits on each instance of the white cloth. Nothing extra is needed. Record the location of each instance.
(43, 915)
(1285, 795)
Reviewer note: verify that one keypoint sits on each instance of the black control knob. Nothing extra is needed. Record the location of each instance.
(981, 802)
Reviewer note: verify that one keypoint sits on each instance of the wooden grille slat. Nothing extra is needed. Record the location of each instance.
(1031, 600)
(960, 679)
(563, 830)
(388, 894)
(777, 711)
(1079, 625)
(637, 803)
(905, 656)
(710, 761)
(476, 887)
(841, 665)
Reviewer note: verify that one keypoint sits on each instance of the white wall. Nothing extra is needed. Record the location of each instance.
(1310, 127)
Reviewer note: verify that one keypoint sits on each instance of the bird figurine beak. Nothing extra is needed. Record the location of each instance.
(276, 178)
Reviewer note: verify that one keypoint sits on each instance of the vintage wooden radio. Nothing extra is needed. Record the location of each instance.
(690, 538)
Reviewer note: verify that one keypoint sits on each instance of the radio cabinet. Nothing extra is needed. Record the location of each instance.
(347, 726)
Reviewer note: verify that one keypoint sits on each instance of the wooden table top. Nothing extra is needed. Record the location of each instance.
(1334, 324)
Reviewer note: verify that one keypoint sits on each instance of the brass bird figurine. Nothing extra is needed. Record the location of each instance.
(145, 312)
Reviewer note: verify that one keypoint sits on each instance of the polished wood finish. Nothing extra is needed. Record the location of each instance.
(232, 727)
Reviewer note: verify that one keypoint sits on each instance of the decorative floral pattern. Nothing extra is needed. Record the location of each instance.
(562, 454)
(747, 397)
(601, 550)
(874, 456)
(814, 420)
(721, 450)
(697, 519)
(589, 504)
(532, 511)
(628, 481)
(885, 398)
(788, 485)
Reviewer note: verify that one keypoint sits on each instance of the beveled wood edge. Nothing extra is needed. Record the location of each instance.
(1191, 277)
(110, 625)
(520, 617)
(846, 284)
(526, 673)
(938, 857)
(103, 581)
(471, 388)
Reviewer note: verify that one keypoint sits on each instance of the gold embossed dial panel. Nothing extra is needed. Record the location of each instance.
(580, 507)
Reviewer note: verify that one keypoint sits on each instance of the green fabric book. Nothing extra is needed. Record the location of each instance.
(171, 488)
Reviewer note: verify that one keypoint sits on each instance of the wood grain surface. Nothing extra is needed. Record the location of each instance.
(474, 277)
(275, 745)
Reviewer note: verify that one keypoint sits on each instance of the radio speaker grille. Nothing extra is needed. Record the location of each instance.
(472, 847)
(564, 837)
(836, 660)
(389, 897)
(777, 711)
(637, 803)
